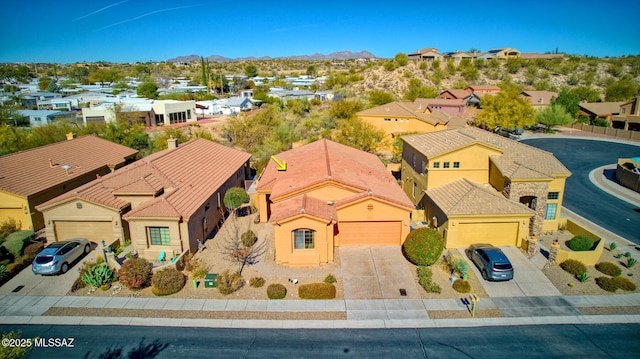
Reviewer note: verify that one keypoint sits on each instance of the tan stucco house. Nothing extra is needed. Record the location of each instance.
(330, 195)
(29, 178)
(165, 202)
(476, 186)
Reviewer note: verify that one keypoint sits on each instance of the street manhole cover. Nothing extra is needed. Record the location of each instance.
(17, 289)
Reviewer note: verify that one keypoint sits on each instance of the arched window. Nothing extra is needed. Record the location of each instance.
(304, 239)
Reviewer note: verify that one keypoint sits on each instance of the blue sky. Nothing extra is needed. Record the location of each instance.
(67, 31)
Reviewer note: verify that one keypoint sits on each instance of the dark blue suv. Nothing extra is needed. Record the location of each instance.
(491, 262)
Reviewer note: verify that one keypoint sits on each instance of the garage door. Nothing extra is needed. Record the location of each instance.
(91, 230)
(369, 233)
(498, 234)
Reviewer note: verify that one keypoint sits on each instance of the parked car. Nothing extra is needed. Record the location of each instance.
(57, 257)
(491, 261)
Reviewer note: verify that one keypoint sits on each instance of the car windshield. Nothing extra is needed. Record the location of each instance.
(503, 266)
(43, 259)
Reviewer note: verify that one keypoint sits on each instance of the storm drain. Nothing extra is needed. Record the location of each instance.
(17, 289)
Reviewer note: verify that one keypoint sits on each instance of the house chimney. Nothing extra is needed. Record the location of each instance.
(172, 143)
(70, 136)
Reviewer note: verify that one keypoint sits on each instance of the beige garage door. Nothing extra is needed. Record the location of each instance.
(498, 234)
(93, 231)
(370, 233)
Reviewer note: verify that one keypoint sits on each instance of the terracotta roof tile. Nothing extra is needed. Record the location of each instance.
(602, 108)
(188, 174)
(539, 97)
(465, 197)
(457, 93)
(325, 160)
(29, 172)
(303, 204)
(399, 109)
(517, 161)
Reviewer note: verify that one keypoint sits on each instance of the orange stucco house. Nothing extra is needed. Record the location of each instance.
(330, 195)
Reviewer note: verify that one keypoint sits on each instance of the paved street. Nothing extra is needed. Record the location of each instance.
(581, 156)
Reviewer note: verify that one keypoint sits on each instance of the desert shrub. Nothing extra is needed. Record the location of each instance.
(627, 254)
(3, 271)
(631, 262)
(461, 266)
(583, 277)
(462, 286)
(13, 352)
(317, 291)
(276, 291)
(199, 273)
(609, 268)
(573, 266)
(256, 282)
(624, 284)
(249, 238)
(423, 246)
(9, 226)
(167, 281)
(613, 246)
(197, 268)
(98, 275)
(16, 241)
(135, 273)
(33, 248)
(229, 282)
(580, 243)
(78, 284)
(330, 279)
(607, 284)
(424, 279)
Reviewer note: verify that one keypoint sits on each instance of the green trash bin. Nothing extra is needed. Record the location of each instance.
(211, 280)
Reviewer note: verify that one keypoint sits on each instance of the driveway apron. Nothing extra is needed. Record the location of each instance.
(376, 273)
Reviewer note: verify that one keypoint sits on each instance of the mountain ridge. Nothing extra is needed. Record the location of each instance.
(338, 55)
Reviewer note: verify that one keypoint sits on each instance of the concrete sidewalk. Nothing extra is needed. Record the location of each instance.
(380, 313)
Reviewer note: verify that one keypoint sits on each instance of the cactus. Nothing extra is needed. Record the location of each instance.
(98, 275)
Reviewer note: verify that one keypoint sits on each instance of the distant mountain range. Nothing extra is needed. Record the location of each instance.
(340, 55)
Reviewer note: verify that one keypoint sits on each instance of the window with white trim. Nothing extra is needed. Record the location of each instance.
(304, 239)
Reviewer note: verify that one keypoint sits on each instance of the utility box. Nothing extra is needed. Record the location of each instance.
(211, 280)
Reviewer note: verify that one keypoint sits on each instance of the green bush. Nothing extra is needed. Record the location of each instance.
(631, 262)
(607, 284)
(135, 273)
(167, 281)
(97, 276)
(9, 226)
(573, 266)
(256, 282)
(609, 268)
(3, 271)
(276, 291)
(627, 254)
(462, 286)
(317, 291)
(330, 279)
(229, 282)
(584, 277)
(16, 241)
(461, 266)
(624, 284)
(424, 279)
(612, 246)
(249, 238)
(580, 243)
(423, 246)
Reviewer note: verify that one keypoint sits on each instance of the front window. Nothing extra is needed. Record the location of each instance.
(303, 238)
(550, 211)
(158, 236)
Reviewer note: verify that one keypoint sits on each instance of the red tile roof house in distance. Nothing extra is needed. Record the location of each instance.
(29, 178)
(165, 202)
(330, 195)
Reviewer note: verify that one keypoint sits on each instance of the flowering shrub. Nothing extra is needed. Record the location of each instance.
(135, 273)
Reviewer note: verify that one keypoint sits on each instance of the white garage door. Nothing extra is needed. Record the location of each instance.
(498, 234)
(92, 230)
(370, 233)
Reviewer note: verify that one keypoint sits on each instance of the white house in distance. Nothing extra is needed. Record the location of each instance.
(154, 112)
(45, 117)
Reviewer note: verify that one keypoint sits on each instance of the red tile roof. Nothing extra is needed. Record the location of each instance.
(399, 109)
(303, 204)
(458, 94)
(188, 175)
(324, 161)
(33, 171)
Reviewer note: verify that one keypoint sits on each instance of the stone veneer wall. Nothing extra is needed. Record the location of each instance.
(515, 190)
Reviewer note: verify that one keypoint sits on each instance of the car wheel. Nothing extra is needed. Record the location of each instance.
(87, 249)
(484, 275)
(64, 268)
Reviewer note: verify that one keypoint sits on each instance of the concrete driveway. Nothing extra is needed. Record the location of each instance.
(376, 273)
(528, 279)
(45, 285)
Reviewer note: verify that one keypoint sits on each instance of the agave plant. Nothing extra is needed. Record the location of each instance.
(631, 262)
(98, 276)
(583, 277)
